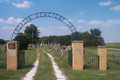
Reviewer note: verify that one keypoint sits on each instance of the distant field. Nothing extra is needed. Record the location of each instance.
(113, 45)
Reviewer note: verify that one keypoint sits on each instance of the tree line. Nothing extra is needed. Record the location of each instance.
(31, 36)
(91, 39)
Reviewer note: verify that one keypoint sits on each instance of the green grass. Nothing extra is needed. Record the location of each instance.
(30, 57)
(86, 74)
(110, 45)
(45, 70)
(113, 64)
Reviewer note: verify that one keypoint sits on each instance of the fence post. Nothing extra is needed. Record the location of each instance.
(77, 52)
(102, 52)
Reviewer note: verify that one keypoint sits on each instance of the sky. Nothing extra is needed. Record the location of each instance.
(83, 14)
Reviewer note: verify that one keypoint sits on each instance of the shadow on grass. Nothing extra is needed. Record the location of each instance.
(113, 67)
(26, 66)
(30, 49)
(22, 67)
(89, 67)
(86, 67)
(3, 67)
(108, 67)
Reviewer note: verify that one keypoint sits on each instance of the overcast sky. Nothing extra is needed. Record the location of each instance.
(83, 14)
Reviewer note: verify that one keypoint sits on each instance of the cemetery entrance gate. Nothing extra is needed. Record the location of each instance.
(81, 59)
(91, 60)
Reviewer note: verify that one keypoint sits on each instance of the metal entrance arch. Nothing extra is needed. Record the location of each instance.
(40, 15)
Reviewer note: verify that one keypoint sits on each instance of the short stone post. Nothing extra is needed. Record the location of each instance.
(102, 52)
(77, 52)
(12, 55)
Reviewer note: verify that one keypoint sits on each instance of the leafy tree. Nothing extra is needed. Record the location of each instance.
(95, 32)
(76, 36)
(32, 32)
(96, 37)
(86, 37)
(23, 41)
(2, 41)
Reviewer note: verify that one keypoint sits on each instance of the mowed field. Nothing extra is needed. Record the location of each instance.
(113, 45)
(46, 72)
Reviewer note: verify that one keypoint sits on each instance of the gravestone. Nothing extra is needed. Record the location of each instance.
(114, 57)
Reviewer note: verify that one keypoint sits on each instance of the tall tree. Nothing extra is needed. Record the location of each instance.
(32, 32)
(96, 37)
(76, 36)
(95, 32)
(23, 41)
(86, 37)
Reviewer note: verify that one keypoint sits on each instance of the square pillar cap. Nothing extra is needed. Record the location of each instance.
(101, 46)
(13, 41)
(77, 41)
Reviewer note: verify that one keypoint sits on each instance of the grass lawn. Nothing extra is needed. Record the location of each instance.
(110, 45)
(87, 74)
(113, 64)
(30, 57)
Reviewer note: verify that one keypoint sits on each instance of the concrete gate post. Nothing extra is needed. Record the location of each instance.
(102, 52)
(77, 52)
(12, 55)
